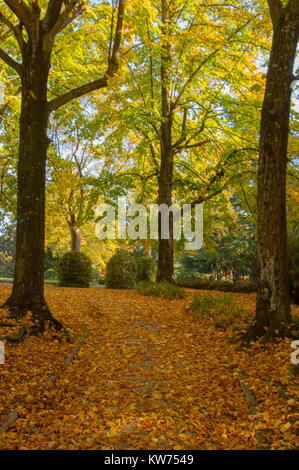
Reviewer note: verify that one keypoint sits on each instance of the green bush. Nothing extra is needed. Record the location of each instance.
(224, 286)
(161, 289)
(121, 271)
(50, 274)
(146, 268)
(75, 270)
(221, 311)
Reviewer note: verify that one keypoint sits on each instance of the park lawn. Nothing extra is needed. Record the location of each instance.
(147, 376)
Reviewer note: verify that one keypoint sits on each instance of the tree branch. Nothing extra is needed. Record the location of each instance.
(15, 29)
(11, 62)
(52, 15)
(293, 5)
(204, 61)
(196, 144)
(276, 8)
(76, 93)
(71, 11)
(114, 60)
(101, 82)
(6, 21)
(21, 10)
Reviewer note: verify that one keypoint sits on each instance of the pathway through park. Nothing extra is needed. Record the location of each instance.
(148, 376)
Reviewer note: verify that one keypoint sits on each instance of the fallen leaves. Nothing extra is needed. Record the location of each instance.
(147, 377)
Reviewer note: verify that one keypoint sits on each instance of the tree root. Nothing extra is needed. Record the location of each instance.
(12, 418)
(71, 356)
(250, 399)
(21, 337)
(14, 415)
(42, 320)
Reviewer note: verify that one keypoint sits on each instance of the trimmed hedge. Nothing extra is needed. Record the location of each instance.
(146, 268)
(50, 274)
(224, 286)
(74, 270)
(121, 271)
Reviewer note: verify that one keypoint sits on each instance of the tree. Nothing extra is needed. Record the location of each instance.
(35, 32)
(188, 77)
(273, 305)
(74, 156)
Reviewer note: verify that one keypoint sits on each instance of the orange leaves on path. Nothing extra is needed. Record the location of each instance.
(148, 376)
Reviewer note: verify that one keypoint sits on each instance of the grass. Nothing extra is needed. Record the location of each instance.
(221, 311)
(10, 279)
(161, 289)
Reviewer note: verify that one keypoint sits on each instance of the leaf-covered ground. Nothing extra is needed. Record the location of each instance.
(148, 376)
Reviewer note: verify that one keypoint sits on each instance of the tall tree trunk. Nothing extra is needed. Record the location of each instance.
(273, 305)
(75, 239)
(165, 250)
(35, 37)
(28, 287)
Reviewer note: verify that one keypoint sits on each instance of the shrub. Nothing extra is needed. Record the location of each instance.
(244, 286)
(121, 271)
(221, 311)
(161, 289)
(50, 274)
(74, 270)
(146, 268)
(224, 286)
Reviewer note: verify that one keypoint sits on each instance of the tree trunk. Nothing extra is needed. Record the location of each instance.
(165, 251)
(273, 304)
(28, 287)
(76, 239)
(35, 37)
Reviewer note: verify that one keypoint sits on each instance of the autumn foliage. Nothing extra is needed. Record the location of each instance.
(147, 376)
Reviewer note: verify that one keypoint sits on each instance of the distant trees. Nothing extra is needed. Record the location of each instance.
(73, 157)
(190, 97)
(232, 256)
